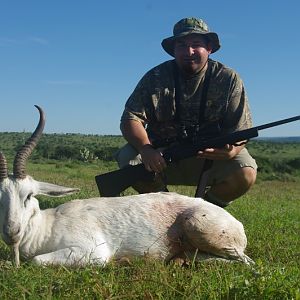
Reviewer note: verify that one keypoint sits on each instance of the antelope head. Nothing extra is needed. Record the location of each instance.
(17, 190)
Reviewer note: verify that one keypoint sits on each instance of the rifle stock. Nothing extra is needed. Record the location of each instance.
(113, 183)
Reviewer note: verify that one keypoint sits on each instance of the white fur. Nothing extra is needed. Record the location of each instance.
(161, 225)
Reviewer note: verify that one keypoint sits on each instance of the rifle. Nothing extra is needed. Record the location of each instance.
(111, 184)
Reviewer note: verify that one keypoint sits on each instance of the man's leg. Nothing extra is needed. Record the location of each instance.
(231, 179)
(232, 187)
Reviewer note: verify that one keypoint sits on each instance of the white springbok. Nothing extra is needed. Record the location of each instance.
(161, 225)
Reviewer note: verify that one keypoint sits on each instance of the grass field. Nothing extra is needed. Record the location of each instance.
(270, 213)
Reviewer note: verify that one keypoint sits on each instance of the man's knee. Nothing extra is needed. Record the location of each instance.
(232, 187)
(240, 181)
(245, 177)
(127, 155)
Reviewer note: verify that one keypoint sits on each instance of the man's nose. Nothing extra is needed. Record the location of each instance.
(190, 50)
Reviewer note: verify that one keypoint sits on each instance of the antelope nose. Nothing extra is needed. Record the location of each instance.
(11, 233)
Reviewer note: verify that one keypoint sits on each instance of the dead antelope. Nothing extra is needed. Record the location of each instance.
(161, 225)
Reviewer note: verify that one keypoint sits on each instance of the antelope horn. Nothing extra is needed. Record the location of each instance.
(23, 154)
(3, 167)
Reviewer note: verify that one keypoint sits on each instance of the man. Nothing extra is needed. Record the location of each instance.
(191, 91)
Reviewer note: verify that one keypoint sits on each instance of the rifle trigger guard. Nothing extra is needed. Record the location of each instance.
(241, 143)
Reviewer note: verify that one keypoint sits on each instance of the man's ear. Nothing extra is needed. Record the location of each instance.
(209, 48)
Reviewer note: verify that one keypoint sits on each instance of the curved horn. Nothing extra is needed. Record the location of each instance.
(23, 154)
(3, 167)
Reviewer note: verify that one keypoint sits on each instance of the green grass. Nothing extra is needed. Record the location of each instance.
(270, 213)
(148, 279)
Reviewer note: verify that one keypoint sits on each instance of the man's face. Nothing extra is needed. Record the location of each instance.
(191, 53)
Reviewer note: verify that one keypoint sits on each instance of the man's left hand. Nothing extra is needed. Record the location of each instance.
(225, 153)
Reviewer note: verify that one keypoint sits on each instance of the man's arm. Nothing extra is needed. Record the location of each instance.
(136, 135)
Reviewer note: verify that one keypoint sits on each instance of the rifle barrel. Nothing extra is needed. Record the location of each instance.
(276, 123)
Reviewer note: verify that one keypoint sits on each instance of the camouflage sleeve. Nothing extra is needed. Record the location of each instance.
(238, 114)
(137, 106)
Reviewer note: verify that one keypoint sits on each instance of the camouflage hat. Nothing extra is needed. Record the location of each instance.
(189, 26)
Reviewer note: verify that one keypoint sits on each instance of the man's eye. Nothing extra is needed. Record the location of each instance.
(197, 45)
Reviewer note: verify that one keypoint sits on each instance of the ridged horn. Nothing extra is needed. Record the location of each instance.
(3, 167)
(22, 155)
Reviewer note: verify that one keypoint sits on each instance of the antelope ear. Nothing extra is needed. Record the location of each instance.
(54, 190)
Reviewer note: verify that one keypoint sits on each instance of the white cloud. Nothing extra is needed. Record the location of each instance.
(38, 40)
(6, 42)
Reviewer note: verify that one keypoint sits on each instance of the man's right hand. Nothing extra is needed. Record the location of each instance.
(152, 159)
(136, 135)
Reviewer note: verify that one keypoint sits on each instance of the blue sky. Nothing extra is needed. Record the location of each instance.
(80, 60)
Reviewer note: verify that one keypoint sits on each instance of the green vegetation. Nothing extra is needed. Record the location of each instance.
(278, 160)
(270, 212)
(64, 146)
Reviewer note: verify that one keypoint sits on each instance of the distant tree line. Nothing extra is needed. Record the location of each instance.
(65, 146)
(74, 152)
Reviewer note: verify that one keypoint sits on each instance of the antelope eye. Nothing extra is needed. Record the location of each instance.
(28, 198)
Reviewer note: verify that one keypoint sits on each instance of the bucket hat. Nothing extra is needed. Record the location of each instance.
(189, 26)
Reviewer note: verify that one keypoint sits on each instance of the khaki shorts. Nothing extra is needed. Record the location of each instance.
(187, 171)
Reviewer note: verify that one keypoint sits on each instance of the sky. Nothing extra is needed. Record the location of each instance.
(81, 60)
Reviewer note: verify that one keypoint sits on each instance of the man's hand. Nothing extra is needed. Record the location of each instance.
(152, 159)
(136, 135)
(225, 153)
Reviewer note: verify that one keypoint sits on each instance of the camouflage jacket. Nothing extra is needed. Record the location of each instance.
(153, 100)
